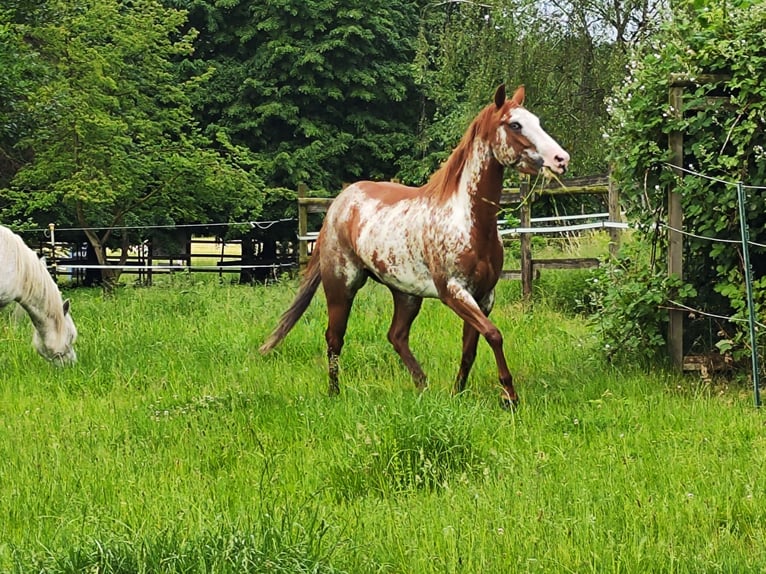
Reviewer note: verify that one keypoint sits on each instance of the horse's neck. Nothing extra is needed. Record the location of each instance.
(37, 314)
(481, 182)
(37, 292)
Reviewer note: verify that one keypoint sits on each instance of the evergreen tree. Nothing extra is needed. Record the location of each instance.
(320, 90)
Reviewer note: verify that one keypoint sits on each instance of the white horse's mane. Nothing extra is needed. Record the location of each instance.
(35, 283)
(24, 278)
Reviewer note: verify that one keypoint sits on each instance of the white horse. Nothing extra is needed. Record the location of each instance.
(25, 279)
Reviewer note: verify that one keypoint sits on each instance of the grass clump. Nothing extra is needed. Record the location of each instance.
(427, 445)
(281, 540)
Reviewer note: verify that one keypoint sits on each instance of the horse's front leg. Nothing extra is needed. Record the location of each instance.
(470, 341)
(460, 300)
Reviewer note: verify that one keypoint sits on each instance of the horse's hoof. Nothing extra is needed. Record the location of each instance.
(509, 403)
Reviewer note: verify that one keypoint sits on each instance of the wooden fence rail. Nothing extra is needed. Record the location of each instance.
(254, 257)
(523, 197)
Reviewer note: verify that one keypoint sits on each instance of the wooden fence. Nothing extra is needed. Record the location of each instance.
(258, 255)
(523, 197)
(267, 253)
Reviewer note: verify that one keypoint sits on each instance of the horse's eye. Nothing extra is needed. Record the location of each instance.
(515, 126)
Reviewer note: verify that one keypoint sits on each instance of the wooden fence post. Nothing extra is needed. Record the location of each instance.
(613, 202)
(675, 223)
(53, 263)
(525, 215)
(303, 228)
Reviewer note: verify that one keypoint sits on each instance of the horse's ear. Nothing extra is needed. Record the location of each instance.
(518, 96)
(500, 96)
(66, 306)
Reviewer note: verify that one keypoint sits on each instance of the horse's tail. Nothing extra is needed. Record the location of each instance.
(309, 285)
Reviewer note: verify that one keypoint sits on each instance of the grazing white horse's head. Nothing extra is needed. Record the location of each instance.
(55, 341)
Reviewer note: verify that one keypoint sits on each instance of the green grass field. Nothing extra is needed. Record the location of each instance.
(173, 446)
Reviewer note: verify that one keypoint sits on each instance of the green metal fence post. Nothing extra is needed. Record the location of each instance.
(749, 290)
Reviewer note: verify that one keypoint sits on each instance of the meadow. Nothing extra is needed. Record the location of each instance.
(173, 446)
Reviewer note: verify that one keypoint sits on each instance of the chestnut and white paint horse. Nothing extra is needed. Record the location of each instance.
(25, 279)
(440, 240)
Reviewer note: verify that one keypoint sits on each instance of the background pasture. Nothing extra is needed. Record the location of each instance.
(173, 446)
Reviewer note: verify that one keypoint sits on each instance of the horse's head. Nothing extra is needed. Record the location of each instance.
(519, 139)
(56, 340)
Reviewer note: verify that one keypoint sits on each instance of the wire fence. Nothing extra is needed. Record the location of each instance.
(505, 228)
(745, 242)
(263, 225)
(264, 250)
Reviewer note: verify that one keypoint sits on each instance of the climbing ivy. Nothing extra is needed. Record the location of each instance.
(720, 48)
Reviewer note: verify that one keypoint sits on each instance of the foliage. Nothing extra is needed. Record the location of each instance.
(629, 298)
(466, 49)
(20, 70)
(736, 342)
(722, 122)
(319, 90)
(113, 142)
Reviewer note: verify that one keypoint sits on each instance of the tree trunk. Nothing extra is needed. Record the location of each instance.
(109, 276)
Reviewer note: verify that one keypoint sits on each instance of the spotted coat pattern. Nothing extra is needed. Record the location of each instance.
(437, 241)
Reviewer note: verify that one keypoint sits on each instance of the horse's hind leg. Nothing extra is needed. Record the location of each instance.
(406, 308)
(339, 297)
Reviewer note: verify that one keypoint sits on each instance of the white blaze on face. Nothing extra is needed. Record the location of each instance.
(544, 147)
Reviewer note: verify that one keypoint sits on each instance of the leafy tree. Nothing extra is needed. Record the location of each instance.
(569, 54)
(320, 90)
(110, 131)
(723, 120)
(20, 71)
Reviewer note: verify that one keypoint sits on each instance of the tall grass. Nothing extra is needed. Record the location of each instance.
(173, 446)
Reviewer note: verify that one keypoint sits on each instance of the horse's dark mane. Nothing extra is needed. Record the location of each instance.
(444, 181)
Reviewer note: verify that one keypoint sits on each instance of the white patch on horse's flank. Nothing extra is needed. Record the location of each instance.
(392, 245)
(407, 241)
